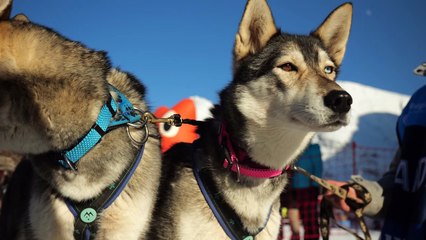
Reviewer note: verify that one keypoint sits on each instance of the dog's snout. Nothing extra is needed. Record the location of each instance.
(338, 101)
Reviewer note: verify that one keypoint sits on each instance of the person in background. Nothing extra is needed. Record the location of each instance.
(289, 211)
(400, 195)
(302, 195)
(306, 191)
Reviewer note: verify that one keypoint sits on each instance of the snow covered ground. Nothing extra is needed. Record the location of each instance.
(336, 234)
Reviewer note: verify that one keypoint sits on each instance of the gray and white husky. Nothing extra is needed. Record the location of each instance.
(56, 97)
(227, 183)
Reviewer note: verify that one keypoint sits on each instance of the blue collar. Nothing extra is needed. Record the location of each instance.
(106, 121)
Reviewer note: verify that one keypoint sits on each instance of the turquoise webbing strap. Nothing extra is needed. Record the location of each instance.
(104, 122)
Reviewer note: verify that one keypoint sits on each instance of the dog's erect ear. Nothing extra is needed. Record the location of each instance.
(256, 28)
(334, 31)
(21, 17)
(5, 9)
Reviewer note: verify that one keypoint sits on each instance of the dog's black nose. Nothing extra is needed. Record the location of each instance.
(338, 101)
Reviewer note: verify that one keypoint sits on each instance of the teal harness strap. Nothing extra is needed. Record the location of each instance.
(114, 113)
(94, 135)
(128, 113)
(104, 122)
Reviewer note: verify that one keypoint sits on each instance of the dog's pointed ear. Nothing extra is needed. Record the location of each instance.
(5, 9)
(21, 17)
(256, 28)
(334, 31)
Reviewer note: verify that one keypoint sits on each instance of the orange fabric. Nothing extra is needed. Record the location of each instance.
(171, 135)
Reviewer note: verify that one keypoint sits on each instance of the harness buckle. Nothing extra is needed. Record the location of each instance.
(67, 163)
(228, 160)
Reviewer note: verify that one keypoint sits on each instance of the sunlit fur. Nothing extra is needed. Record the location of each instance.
(51, 92)
(270, 112)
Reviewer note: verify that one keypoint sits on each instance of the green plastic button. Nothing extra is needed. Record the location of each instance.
(249, 238)
(88, 215)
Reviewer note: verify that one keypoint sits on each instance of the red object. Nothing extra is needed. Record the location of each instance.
(171, 135)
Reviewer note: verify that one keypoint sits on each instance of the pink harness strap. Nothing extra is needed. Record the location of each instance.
(235, 163)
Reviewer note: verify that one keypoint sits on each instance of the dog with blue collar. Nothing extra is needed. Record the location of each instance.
(92, 162)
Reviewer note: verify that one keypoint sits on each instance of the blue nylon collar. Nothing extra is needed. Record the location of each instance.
(106, 121)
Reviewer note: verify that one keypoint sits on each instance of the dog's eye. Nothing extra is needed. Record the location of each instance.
(288, 67)
(329, 70)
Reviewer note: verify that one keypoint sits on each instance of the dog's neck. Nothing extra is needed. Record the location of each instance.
(268, 143)
(276, 148)
(104, 163)
(265, 147)
(237, 159)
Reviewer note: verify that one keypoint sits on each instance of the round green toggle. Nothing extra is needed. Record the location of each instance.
(88, 215)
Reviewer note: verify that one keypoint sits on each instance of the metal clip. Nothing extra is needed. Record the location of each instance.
(173, 120)
(142, 123)
(230, 162)
(69, 163)
(227, 158)
(147, 117)
(177, 120)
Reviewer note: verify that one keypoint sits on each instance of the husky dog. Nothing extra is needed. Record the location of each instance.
(55, 96)
(283, 90)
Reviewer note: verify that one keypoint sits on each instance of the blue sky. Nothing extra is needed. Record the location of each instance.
(183, 48)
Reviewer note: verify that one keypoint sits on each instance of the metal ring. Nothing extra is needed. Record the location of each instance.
(134, 141)
(139, 124)
(69, 163)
